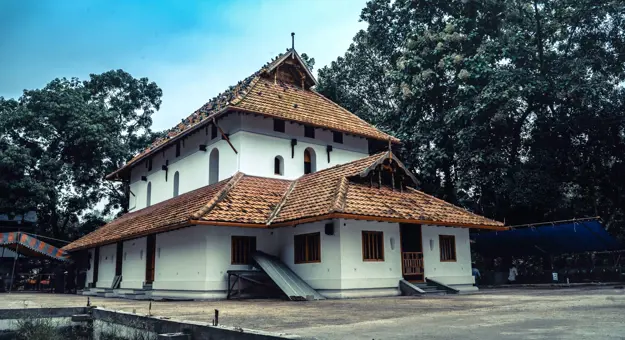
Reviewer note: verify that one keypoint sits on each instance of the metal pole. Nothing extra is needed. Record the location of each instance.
(17, 254)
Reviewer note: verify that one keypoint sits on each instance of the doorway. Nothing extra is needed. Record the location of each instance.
(150, 259)
(119, 259)
(411, 252)
(96, 266)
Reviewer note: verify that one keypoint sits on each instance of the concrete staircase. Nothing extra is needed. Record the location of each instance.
(431, 289)
(132, 294)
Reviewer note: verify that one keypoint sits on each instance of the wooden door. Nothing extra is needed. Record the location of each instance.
(150, 259)
(96, 265)
(411, 252)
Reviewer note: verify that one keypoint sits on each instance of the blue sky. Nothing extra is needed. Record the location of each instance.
(191, 49)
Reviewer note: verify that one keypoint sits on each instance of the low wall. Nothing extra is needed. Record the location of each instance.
(103, 319)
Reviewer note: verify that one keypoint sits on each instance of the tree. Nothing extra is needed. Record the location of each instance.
(513, 109)
(58, 143)
(308, 61)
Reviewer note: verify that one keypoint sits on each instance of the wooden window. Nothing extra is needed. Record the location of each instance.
(309, 161)
(149, 164)
(447, 244)
(337, 137)
(309, 131)
(278, 125)
(213, 131)
(178, 149)
(278, 166)
(307, 248)
(242, 249)
(372, 246)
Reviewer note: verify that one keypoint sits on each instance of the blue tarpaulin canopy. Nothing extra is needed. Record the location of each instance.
(552, 238)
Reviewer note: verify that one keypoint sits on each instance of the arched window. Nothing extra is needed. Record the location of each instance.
(213, 167)
(310, 164)
(148, 199)
(278, 166)
(176, 184)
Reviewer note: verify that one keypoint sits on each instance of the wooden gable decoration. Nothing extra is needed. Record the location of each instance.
(290, 69)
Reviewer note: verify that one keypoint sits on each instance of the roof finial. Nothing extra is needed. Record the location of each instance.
(292, 41)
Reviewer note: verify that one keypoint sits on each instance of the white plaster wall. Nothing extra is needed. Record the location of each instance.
(106, 269)
(357, 273)
(192, 164)
(258, 152)
(323, 275)
(197, 258)
(257, 146)
(92, 260)
(133, 264)
(458, 272)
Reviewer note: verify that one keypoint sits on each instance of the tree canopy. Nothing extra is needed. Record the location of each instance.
(57, 144)
(511, 108)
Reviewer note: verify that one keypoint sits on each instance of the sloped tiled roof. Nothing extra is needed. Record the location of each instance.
(250, 201)
(275, 98)
(290, 102)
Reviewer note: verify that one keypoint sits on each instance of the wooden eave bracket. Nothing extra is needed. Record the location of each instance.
(224, 136)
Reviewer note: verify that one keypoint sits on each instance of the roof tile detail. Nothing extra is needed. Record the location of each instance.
(244, 200)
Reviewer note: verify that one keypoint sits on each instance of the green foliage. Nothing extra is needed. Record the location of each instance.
(310, 62)
(58, 143)
(513, 109)
(37, 329)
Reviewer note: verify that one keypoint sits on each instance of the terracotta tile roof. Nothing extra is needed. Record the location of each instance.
(252, 201)
(258, 94)
(171, 212)
(290, 102)
(243, 200)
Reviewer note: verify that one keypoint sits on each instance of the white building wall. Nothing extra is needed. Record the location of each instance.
(133, 264)
(106, 269)
(257, 146)
(325, 275)
(258, 152)
(452, 273)
(197, 258)
(357, 273)
(192, 165)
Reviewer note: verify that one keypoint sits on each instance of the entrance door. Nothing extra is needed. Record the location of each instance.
(150, 259)
(119, 259)
(411, 251)
(96, 266)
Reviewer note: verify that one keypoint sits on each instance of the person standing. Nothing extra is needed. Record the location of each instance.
(512, 274)
(477, 276)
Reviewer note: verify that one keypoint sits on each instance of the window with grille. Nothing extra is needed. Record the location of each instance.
(309, 131)
(308, 248)
(447, 244)
(337, 137)
(278, 125)
(242, 249)
(372, 246)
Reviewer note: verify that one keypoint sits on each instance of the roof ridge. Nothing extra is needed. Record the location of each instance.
(450, 204)
(282, 202)
(218, 196)
(393, 138)
(340, 195)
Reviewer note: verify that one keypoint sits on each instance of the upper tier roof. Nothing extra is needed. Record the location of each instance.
(281, 89)
(372, 188)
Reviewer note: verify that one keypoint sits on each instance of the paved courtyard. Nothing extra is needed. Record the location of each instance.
(520, 313)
